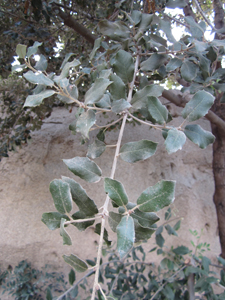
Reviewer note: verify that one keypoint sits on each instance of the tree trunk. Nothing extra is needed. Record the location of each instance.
(219, 144)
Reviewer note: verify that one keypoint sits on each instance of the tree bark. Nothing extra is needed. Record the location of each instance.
(219, 145)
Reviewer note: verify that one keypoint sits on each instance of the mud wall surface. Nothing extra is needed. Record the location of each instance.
(25, 196)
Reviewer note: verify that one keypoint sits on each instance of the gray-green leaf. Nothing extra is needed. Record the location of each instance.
(156, 197)
(95, 93)
(117, 30)
(96, 149)
(117, 88)
(84, 168)
(158, 111)
(61, 195)
(173, 64)
(175, 140)
(21, 50)
(53, 219)
(120, 105)
(139, 99)
(41, 64)
(114, 220)
(154, 62)
(85, 121)
(35, 100)
(125, 235)
(75, 262)
(39, 78)
(199, 136)
(135, 151)
(79, 196)
(189, 70)
(198, 106)
(66, 238)
(33, 49)
(116, 191)
(124, 66)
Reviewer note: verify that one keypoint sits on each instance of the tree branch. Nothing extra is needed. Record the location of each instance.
(180, 101)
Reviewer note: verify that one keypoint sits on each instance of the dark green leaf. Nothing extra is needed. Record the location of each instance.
(124, 66)
(146, 20)
(79, 196)
(181, 250)
(85, 121)
(64, 234)
(115, 30)
(136, 16)
(97, 45)
(61, 195)
(65, 70)
(173, 64)
(96, 149)
(81, 226)
(159, 240)
(156, 197)
(95, 93)
(141, 233)
(188, 70)
(154, 62)
(177, 225)
(170, 230)
(165, 26)
(117, 88)
(125, 235)
(199, 136)
(219, 86)
(39, 78)
(76, 263)
(221, 260)
(114, 220)
(104, 102)
(175, 140)
(84, 168)
(49, 294)
(116, 191)
(120, 105)
(158, 111)
(135, 151)
(33, 49)
(72, 277)
(139, 99)
(176, 3)
(53, 219)
(105, 235)
(198, 106)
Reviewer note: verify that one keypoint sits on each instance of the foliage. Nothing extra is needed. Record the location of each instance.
(25, 282)
(134, 54)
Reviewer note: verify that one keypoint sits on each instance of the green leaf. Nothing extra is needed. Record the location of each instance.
(141, 233)
(41, 64)
(75, 262)
(67, 57)
(117, 31)
(72, 277)
(81, 226)
(159, 240)
(156, 197)
(188, 70)
(64, 234)
(97, 45)
(136, 16)
(117, 88)
(140, 98)
(146, 20)
(154, 62)
(79, 196)
(65, 70)
(70, 89)
(85, 121)
(123, 66)
(53, 219)
(114, 220)
(105, 235)
(96, 149)
(181, 250)
(104, 102)
(165, 26)
(49, 294)
(198, 106)
(61, 196)
(158, 111)
(175, 140)
(135, 151)
(196, 29)
(125, 235)
(199, 136)
(177, 225)
(21, 50)
(176, 3)
(39, 78)
(116, 191)
(170, 230)
(84, 168)
(145, 219)
(173, 64)
(120, 105)
(33, 49)
(95, 93)
(35, 100)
